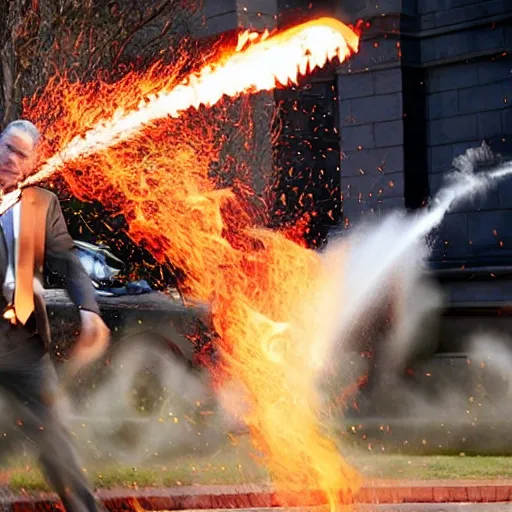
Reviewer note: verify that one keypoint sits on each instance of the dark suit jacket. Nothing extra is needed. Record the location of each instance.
(59, 257)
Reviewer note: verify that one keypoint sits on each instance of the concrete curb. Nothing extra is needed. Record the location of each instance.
(252, 496)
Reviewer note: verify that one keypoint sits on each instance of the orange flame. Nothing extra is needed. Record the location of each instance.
(260, 283)
(260, 66)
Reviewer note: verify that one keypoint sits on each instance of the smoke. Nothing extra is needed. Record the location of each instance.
(152, 405)
(148, 404)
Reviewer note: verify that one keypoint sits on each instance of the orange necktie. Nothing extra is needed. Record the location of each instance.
(24, 289)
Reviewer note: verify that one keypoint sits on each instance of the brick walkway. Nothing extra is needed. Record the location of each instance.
(252, 496)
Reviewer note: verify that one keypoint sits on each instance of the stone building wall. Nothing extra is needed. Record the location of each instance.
(466, 53)
(433, 78)
(225, 16)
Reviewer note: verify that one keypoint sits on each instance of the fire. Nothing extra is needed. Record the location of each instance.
(151, 163)
(253, 67)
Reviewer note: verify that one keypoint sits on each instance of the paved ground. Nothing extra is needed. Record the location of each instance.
(406, 507)
(403, 496)
(434, 507)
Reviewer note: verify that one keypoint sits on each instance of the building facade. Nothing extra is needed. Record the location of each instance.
(432, 79)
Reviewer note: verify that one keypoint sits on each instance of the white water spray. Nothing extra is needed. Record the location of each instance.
(365, 270)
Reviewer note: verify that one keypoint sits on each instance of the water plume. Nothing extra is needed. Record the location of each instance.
(376, 255)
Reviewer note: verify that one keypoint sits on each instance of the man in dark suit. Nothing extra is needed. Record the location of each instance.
(33, 237)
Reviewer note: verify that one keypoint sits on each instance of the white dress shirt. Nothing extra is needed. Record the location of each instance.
(11, 200)
(9, 281)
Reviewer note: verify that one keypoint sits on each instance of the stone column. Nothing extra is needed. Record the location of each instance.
(221, 16)
(225, 15)
(381, 104)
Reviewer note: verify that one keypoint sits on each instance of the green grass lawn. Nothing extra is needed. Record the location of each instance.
(234, 464)
(424, 467)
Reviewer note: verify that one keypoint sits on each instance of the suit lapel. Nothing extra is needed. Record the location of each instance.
(3, 256)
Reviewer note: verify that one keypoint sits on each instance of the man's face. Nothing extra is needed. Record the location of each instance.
(17, 158)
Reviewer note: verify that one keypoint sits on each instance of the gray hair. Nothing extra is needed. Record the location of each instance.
(24, 126)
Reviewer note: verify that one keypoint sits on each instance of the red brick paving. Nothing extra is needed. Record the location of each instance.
(252, 496)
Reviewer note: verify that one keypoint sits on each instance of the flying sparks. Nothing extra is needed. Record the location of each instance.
(152, 164)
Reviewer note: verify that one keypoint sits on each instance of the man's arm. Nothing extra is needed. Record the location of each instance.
(62, 259)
